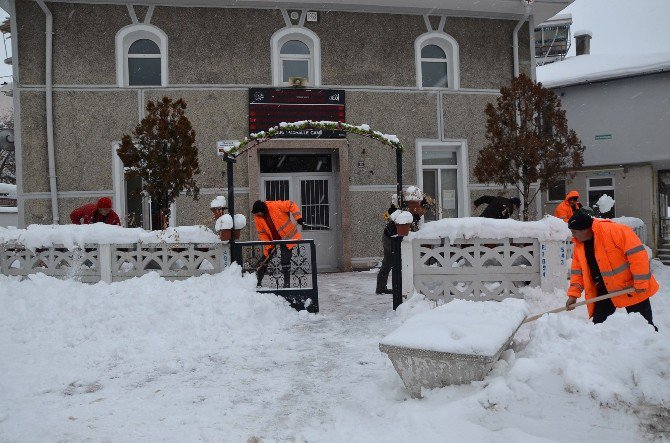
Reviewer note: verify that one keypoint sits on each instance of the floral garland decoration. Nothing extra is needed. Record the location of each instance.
(364, 130)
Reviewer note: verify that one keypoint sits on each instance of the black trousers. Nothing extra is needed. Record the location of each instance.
(387, 264)
(605, 308)
(285, 266)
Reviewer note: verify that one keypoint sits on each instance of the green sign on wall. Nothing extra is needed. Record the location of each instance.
(604, 137)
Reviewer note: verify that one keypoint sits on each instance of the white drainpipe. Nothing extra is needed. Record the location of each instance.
(515, 40)
(515, 49)
(50, 112)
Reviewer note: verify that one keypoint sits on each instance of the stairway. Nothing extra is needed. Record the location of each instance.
(664, 251)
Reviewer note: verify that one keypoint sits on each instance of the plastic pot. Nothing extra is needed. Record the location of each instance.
(403, 230)
(226, 234)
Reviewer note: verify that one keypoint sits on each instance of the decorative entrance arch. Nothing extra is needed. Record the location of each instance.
(255, 139)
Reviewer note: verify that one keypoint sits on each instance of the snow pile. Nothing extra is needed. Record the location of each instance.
(218, 202)
(240, 221)
(35, 236)
(583, 32)
(594, 67)
(89, 342)
(413, 194)
(632, 222)
(152, 360)
(226, 222)
(605, 203)
(549, 228)
(402, 217)
(621, 360)
(462, 327)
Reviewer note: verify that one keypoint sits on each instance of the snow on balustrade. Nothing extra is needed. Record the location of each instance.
(91, 253)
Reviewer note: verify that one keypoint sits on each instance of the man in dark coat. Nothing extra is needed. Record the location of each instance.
(498, 207)
(391, 230)
(100, 212)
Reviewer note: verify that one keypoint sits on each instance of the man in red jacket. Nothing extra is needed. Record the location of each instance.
(100, 212)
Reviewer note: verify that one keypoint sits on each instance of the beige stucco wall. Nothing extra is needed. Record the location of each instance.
(464, 118)
(214, 115)
(371, 56)
(357, 48)
(35, 164)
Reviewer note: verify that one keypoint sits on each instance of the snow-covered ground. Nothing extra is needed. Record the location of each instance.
(209, 359)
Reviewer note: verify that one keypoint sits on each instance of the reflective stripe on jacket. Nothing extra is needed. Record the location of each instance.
(623, 262)
(280, 212)
(564, 210)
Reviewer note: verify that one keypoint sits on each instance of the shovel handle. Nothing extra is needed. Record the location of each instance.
(585, 302)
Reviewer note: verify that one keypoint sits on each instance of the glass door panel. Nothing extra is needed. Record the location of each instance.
(448, 192)
(430, 188)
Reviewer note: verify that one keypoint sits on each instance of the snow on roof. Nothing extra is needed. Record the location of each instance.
(596, 67)
(583, 32)
(558, 19)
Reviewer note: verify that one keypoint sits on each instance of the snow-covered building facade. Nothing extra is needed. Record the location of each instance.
(619, 106)
(406, 68)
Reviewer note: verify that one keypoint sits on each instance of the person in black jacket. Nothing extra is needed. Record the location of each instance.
(498, 207)
(389, 231)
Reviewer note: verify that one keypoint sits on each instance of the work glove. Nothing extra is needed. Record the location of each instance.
(300, 221)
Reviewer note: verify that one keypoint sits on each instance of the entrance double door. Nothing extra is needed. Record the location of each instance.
(314, 195)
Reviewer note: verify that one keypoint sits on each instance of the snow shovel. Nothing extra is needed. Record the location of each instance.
(585, 302)
(265, 261)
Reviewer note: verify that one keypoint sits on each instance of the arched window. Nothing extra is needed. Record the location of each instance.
(437, 62)
(296, 52)
(141, 56)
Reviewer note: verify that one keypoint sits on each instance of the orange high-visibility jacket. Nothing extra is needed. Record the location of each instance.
(280, 212)
(623, 262)
(564, 210)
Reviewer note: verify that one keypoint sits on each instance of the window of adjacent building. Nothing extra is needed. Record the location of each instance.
(552, 41)
(141, 52)
(557, 192)
(597, 187)
(296, 53)
(440, 175)
(437, 61)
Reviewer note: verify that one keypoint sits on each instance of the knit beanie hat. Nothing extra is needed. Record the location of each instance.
(105, 203)
(259, 206)
(580, 221)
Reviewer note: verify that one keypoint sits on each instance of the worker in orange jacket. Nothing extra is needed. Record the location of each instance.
(609, 257)
(568, 207)
(273, 222)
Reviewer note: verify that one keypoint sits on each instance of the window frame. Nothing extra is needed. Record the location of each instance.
(590, 188)
(305, 36)
(461, 167)
(450, 47)
(128, 35)
(565, 189)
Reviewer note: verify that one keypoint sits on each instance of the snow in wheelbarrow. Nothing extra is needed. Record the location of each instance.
(454, 343)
